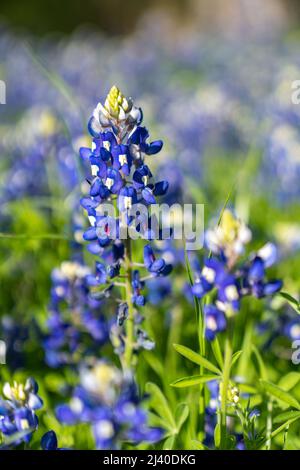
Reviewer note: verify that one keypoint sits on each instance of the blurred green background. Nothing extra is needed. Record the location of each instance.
(118, 17)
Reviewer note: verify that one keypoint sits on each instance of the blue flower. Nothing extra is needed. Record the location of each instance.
(104, 230)
(292, 329)
(113, 180)
(215, 321)
(137, 285)
(100, 276)
(142, 182)
(17, 412)
(127, 198)
(122, 313)
(49, 441)
(120, 143)
(122, 159)
(139, 145)
(75, 318)
(230, 280)
(98, 188)
(254, 280)
(157, 267)
(110, 403)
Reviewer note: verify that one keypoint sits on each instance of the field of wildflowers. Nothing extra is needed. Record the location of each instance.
(145, 341)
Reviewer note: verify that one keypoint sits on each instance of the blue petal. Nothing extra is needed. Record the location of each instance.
(161, 188)
(49, 441)
(257, 269)
(95, 187)
(65, 415)
(272, 287)
(148, 196)
(149, 257)
(85, 153)
(154, 147)
(94, 127)
(90, 234)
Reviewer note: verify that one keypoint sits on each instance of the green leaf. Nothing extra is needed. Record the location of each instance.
(197, 445)
(286, 416)
(154, 363)
(292, 442)
(158, 422)
(216, 349)
(181, 414)
(160, 404)
(188, 267)
(282, 427)
(294, 303)
(235, 357)
(193, 380)
(217, 435)
(169, 443)
(280, 394)
(289, 381)
(196, 358)
(261, 365)
(246, 388)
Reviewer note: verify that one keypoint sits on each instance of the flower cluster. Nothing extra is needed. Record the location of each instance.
(228, 278)
(75, 325)
(110, 403)
(17, 412)
(120, 177)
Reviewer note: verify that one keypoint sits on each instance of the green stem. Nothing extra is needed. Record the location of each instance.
(129, 343)
(269, 425)
(201, 338)
(225, 384)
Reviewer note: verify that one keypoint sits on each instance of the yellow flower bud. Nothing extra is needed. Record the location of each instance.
(116, 103)
(230, 226)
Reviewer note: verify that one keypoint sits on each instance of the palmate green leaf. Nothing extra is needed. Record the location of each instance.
(193, 380)
(294, 303)
(196, 358)
(280, 394)
(181, 415)
(286, 416)
(160, 404)
(158, 422)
